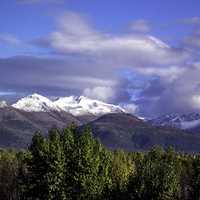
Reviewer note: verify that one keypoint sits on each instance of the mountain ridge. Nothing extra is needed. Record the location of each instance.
(133, 134)
(187, 121)
(75, 105)
(110, 123)
(18, 126)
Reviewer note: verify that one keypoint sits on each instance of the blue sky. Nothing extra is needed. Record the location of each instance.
(131, 52)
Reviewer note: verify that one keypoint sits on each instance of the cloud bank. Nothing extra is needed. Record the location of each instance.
(136, 69)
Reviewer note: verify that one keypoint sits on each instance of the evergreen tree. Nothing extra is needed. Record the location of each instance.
(194, 189)
(46, 168)
(69, 148)
(88, 163)
(37, 166)
(72, 165)
(158, 177)
(8, 175)
(56, 167)
(122, 169)
(104, 171)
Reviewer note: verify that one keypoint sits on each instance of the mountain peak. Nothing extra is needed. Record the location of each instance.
(36, 96)
(75, 105)
(35, 103)
(85, 106)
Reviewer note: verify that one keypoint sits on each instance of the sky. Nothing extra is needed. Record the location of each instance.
(142, 55)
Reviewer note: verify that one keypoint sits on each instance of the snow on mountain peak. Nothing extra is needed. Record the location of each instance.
(85, 106)
(75, 105)
(35, 103)
(36, 96)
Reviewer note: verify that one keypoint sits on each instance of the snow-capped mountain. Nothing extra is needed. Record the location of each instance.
(77, 106)
(83, 106)
(182, 121)
(3, 104)
(36, 103)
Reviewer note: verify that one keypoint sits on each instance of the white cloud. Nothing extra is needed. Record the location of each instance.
(169, 73)
(91, 61)
(141, 53)
(196, 101)
(101, 93)
(76, 35)
(131, 108)
(87, 80)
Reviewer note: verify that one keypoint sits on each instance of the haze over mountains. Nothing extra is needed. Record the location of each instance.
(112, 124)
(189, 121)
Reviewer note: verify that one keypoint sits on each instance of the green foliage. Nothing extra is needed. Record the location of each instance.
(8, 175)
(158, 177)
(122, 168)
(194, 190)
(92, 167)
(72, 165)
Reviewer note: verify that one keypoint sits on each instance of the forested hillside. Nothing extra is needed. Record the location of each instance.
(70, 165)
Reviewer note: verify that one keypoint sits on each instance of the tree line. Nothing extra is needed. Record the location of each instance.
(69, 165)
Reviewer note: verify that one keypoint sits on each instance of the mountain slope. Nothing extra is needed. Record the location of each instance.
(17, 127)
(128, 132)
(115, 130)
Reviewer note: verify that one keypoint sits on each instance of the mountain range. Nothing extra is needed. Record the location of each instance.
(19, 121)
(125, 131)
(189, 121)
(112, 124)
(77, 106)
